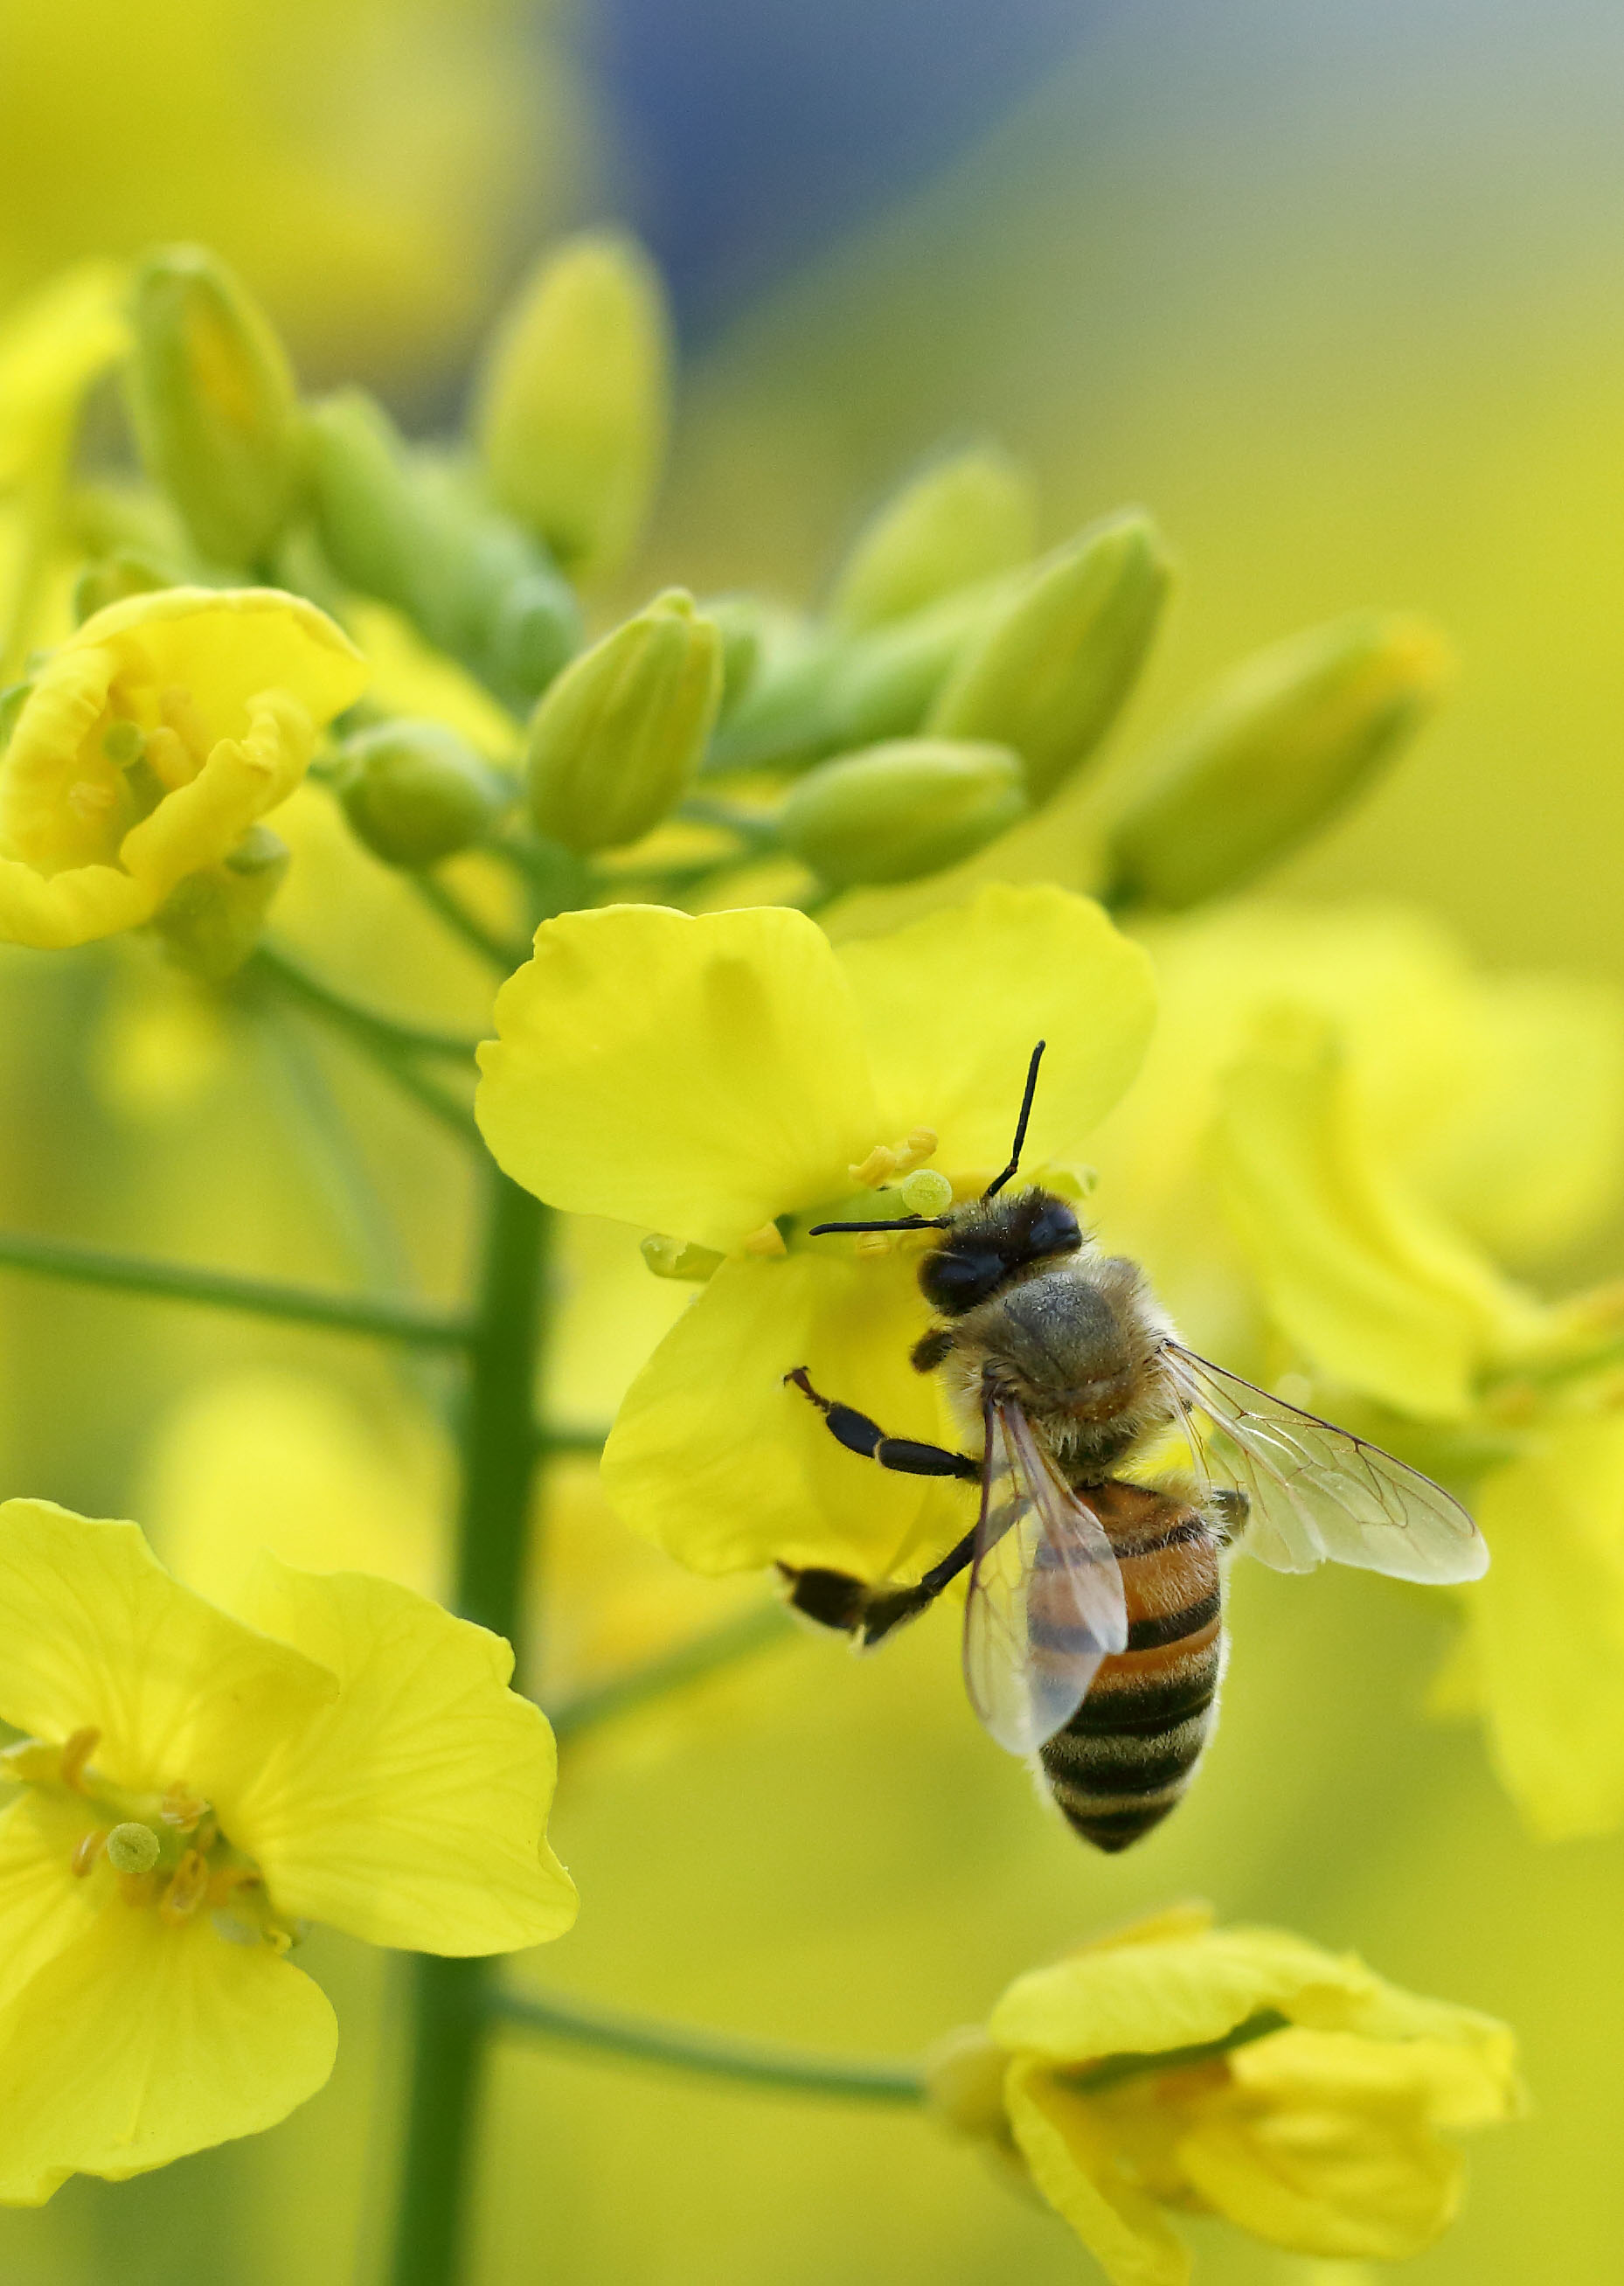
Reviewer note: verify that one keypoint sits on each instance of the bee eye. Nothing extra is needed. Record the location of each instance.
(1055, 1230)
(955, 1282)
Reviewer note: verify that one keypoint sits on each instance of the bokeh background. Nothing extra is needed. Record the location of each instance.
(1336, 293)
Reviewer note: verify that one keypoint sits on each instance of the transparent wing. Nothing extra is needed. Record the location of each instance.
(1045, 1605)
(1318, 1492)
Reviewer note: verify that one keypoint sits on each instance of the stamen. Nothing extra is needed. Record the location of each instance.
(877, 1168)
(178, 711)
(90, 802)
(767, 1241)
(86, 1850)
(168, 760)
(188, 1887)
(888, 1160)
(182, 1809)
(870, 1243)
(75, 1753)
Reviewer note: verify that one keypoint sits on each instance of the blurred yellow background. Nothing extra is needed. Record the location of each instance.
(1333, 292)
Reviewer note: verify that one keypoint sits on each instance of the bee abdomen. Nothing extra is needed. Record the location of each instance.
(1130, 1751)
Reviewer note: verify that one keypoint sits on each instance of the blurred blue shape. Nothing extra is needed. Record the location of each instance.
(755, 132)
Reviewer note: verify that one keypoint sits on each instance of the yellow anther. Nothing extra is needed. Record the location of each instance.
(188, 1887)
(767, 1242)
(867, 1243)
(919, 1144)
(168, 760)
(182, 1809)
(90, 800)
(87, 1849)
(75, 1753)
(877, 1168)
(887, 1159)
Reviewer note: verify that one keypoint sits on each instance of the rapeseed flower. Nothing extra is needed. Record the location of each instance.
(188, 1789)
(149, 744)
(1243, 2073)
(728, 1080)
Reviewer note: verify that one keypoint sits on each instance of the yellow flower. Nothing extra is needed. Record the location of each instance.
(731, 1079)
(188, 1788)
(149, 743)
(1297, 2095)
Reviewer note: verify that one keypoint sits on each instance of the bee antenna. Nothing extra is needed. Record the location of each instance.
(993, 1188)
(904, 1222)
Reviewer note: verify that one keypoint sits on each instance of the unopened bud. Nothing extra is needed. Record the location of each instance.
(111, 579)
(215, 406)
(681, 1257)
(410, 534)
(744, 623)
(210, 922)
(616, 740)
(414, 792)
(1050, 673)
(1276, 752)
(573, 413)
(132, 1848)
(900, 810)
(958, 523)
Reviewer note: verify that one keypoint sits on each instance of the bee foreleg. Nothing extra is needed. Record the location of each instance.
(867, 1438)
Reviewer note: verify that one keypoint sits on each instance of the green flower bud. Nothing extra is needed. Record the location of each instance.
(896, 811)
(133, 1849)
(958, 523)
(113, 577)
(413, 535)
(414, 792)
(1278, 750)
(745, 625)
(616, 740)
(571, 416)
(216, 411)
(1050, 673)
(210, 922)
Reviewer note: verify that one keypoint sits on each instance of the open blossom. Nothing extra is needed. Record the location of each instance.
(147, 745)
(187, 1791)
(1298, 2096)
(731, 1079)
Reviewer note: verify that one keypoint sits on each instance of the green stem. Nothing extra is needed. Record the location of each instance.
(289, 975)
(756, 1629)
(499, 950)
(219, 1289)
(588, 1441)
(762, 2063)
(449, 2009)
(1092, 2077)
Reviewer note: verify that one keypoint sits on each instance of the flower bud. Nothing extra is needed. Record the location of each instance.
(133, 1849)
(410, 534)
(617, 739)
(1279, 749)
(958, 523)
(111, 578)
(210, 921)
(899, 810)
(1050, 673)
(214, 404)
(571, 417)
(414, 792)
(745, 625)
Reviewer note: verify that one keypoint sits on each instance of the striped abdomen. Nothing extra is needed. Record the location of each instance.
(1130, 1749)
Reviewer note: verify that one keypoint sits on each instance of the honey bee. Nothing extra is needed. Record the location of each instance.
(1094, 1633)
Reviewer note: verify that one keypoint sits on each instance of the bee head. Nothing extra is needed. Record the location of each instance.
(989, 1243)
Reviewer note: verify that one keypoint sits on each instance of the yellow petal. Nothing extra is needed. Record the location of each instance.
(43, 1906)
(226, 646)
(714, 1458)
(199, 824)
(953, 1007)
(698, 1075)
(1326, 2146)
(95, 1634)
(1139, 1997)
(51, 349)
(1460, 2074)
(1066, 2146)
(412, 1810)
(1377, 1293)
(141, 2042)
(1547, 1627)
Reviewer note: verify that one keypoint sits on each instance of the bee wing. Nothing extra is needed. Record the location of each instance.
(1318, 1492)
(1045, 1605)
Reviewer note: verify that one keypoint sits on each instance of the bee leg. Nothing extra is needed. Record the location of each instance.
(868, 1439)
(928, 1352)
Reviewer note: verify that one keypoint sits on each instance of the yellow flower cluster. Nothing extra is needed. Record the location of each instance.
(1239, 2072)
(190, 1787)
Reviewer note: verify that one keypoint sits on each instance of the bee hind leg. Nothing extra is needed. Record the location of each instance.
(868, 1439)
(1229, 1510)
